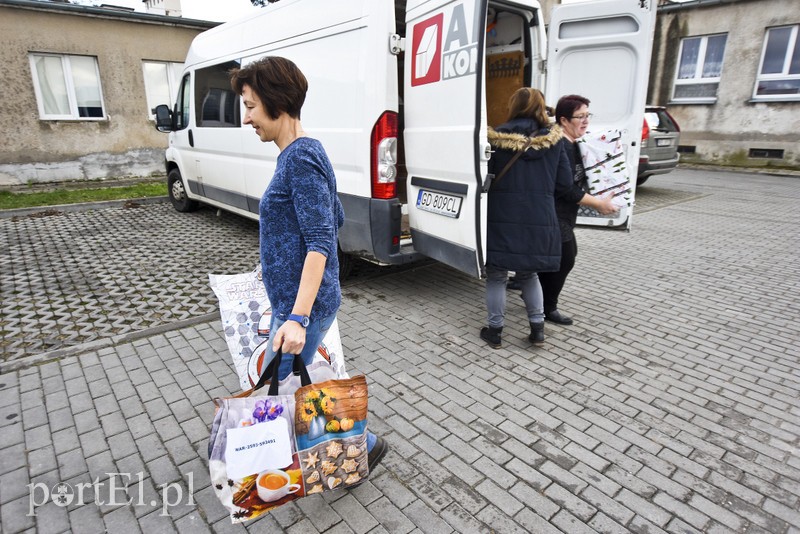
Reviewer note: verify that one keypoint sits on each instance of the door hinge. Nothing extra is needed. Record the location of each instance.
(397, 44)
(543, 66)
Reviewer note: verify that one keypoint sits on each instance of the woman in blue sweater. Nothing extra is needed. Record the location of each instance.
(299, 217)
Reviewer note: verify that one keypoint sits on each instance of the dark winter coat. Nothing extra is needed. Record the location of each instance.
(566, 205)
(523, 232)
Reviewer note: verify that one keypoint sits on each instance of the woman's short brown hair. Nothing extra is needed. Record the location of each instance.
(528, 103)
(569, 104)
(277, 82)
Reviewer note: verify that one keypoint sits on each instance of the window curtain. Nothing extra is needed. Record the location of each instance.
(715, 50)
(52, 86)
(689, 55)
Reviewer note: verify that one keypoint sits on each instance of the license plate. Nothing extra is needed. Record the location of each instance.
(663, 142)
(439, 203)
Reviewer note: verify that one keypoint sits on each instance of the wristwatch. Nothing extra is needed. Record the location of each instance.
(302, 319)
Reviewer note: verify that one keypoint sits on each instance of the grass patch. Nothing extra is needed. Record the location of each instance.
(9, 200)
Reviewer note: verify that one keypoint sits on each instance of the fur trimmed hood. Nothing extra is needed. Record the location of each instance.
(515, 141)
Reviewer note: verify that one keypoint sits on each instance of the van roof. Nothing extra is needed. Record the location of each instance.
(246, 35)
(250, 33)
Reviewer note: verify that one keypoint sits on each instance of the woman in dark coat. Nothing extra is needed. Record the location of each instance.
(522, 232)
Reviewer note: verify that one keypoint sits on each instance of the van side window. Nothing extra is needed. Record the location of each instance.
(182, 105)
(217, 106)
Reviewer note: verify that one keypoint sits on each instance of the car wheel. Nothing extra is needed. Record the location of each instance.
(345, 264)
(177, 193)
(642, 179)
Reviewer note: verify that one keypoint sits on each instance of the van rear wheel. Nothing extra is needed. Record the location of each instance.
(345, 264)
(177, 193)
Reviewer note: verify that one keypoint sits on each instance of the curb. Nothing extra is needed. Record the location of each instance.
(79, 206)
(76, 350)
(786, 173)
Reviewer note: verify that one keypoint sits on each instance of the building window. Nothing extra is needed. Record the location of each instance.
(67, 87)
(161, 79)
(779, 73)
(699, 69)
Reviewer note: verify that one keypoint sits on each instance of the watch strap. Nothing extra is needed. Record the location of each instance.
(302, 319)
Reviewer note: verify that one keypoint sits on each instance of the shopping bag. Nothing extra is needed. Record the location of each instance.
(299, 439)
(246, 313)
(604, 162)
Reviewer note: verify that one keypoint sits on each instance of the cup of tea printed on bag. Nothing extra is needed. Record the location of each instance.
(272, 485)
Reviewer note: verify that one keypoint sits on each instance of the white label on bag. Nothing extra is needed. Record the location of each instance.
(256, 448)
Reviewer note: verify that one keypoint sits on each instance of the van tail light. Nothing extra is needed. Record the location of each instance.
(645, 133)
(383, 156)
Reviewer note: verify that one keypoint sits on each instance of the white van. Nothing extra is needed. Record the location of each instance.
(401, 94)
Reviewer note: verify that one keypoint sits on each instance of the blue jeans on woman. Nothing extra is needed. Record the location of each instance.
(496, 280)
(315, 333)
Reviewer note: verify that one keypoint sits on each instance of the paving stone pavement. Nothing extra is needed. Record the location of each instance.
(93, 274)
(671, 405)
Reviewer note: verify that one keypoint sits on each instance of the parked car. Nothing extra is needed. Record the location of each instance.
(660, 137)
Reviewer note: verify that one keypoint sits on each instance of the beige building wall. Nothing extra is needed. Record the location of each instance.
(125, 142)
(725, 131)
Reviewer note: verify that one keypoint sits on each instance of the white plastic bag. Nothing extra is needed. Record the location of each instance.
(246, 313)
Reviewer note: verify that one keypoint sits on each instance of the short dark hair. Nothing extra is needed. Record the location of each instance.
(277, 82)
(568, 104)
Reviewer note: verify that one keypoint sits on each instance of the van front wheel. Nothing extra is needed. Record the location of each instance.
(177, 193)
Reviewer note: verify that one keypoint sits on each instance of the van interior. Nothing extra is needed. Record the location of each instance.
(509, 53)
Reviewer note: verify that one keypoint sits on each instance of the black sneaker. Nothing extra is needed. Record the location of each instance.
(377, 453)
(557, 317)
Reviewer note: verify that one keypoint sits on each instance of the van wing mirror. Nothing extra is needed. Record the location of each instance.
(163, 118)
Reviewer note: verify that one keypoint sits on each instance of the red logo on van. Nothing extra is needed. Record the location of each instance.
(426, 59)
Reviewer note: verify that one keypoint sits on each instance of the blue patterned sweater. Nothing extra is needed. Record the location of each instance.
(300, 212)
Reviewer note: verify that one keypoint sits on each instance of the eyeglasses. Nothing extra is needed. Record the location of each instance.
(583, 117)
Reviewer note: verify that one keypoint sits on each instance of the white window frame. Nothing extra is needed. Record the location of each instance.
(784, 74)
(697, 79)
(174, 77)
(72, 99)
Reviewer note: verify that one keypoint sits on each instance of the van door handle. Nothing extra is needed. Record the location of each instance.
(191, 139)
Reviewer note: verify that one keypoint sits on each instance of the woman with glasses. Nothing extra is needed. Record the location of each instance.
(572, 115)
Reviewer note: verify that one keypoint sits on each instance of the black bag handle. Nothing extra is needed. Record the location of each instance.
(271, 373)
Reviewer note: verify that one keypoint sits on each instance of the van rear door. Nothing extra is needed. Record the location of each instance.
(601, 50)
(446, 148)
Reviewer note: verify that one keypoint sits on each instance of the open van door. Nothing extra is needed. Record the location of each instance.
(601, 50)
(446, 148)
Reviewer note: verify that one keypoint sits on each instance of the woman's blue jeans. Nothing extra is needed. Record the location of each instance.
(315, 333)
(496, 280)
